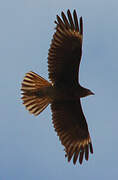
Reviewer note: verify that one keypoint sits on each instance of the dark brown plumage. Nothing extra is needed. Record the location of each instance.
(64, 91)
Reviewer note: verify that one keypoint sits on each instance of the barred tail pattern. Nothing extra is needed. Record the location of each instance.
(31, 86)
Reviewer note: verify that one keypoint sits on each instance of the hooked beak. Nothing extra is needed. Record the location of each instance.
(92, 93)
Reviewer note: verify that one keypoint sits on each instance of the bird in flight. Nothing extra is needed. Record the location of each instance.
(63, 91)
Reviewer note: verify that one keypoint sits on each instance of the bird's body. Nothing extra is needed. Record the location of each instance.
(64, 91)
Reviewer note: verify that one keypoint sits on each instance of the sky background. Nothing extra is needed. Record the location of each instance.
(29, 146)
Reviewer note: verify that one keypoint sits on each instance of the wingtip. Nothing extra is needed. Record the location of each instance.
(81, 156)
(91, 148)
(68, 11)
(81, 25)
(74, 11)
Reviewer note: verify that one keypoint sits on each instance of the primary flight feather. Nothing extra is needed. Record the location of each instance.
(64, 91)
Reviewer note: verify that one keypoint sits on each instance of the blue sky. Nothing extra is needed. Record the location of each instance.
(29, 147)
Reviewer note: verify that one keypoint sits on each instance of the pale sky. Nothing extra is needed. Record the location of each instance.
(29, 146)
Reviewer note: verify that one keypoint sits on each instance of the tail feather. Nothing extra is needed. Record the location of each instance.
(33, 81)
(31, 86)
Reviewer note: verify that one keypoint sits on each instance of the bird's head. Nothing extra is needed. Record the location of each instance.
(89, 92)
(85, 92)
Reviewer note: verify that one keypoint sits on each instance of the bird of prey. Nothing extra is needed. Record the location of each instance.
(64, 91)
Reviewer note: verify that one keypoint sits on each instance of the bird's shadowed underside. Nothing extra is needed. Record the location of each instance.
(64, 91)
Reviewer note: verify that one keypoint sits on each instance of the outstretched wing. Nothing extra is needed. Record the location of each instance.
(71, 127)
(65, 51)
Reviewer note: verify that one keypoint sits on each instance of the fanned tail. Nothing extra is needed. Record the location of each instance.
(33, 96)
